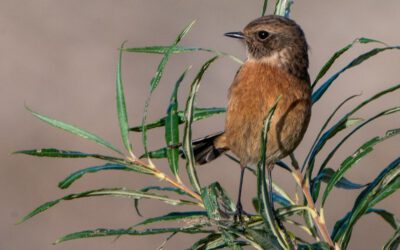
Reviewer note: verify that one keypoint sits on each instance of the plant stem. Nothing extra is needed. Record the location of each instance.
(319, 222)
(176, 183)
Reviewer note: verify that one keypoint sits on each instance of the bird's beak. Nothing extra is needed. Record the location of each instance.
(238, 35)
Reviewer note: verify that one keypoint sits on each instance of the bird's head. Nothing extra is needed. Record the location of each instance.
(276, 40)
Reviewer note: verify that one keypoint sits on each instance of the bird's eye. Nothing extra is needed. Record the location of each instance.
(262, 34)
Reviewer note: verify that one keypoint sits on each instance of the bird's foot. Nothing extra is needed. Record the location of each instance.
(238, 215)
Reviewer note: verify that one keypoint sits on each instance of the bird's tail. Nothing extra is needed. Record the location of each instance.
(204, 149)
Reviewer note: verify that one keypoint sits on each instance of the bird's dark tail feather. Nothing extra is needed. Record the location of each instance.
(204, 149)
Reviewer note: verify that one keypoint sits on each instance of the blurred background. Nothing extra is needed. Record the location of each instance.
(59, 58)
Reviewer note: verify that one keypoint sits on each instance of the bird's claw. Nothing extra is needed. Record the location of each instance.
(238, 215)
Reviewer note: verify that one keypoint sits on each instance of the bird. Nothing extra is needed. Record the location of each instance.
(276, 66)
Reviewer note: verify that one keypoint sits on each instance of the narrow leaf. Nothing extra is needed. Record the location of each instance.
(337, 54)
(180, 49)
(156, 80)
(350, 161)
(172, 129)
(264, 8)
(321, 90)
(161, 49)
(284, 212)
(315, 246)
(120, 192)
(108, 166)
(263, 195)
(282, 7)
(387, 216)
(394, 242)
(175, 216)
(198, 114)
(264, 238)
(75, 130)
(60, 153)
(323, 128)
(204, 242)
(101, 232)
(158, 188)
(216, 201)
(121, 106)
(383, 113)
(337, 128)
(333, 130)
(326, 176)
(161, 247)
(156, 154)
(230, 240)
(187, 139)
(389, 178)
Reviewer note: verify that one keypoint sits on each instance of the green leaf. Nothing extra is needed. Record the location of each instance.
(326, 176)
(121, 106)
(334, 129)
(108, 166)
(264, 8)
(120, 192)
(282, 7)
(332, 153)
(206, 241)
(276, 197)
(161, 247)
(59, 153)
(230, 240)
(172, 129)
(75, 130)
(161, 49)
(284, 212)
(350, 161)
(389, 189)
(198, 114)
(156, 154)
(323, 128)
(337, 54)
(264, 238)
(300, 225)
(170, 189)
(174, 216)
(101, 232)
(338, 127)
(180, 49)
(158, 188)
(394, 242)
(315, 246)
(321, 90)
(387, 216)
(385, 183)
(216, 201)
(187, 138)
(156, 80)
(265, 205)
(309, 223)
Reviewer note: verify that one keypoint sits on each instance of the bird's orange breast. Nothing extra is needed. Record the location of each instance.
(253, 91)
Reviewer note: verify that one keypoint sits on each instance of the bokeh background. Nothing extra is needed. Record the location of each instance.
(59, 58)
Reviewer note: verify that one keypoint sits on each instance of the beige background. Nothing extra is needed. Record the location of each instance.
(59, 58)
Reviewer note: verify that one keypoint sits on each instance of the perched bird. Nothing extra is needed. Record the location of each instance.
(276, 65)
